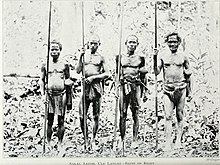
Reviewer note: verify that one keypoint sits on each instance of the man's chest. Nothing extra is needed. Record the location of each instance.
(93, 59)
(173, 60)
(132, 61)
(56, 68)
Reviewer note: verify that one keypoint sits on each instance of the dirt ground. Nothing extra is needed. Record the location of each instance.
(24, 117)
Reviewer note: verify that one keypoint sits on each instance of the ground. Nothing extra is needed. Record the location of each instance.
(24, 117)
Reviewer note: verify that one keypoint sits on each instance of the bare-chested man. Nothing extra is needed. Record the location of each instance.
(58, 78)
(95, 71)
(176, 73)
(132, 68)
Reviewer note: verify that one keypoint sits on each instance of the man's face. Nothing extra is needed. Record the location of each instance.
(173, 43)
(54, 50)
(93, 45)
(131, 43)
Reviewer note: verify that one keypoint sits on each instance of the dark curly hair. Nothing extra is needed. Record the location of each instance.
(131, 35)
(173, 34)
(58, 43)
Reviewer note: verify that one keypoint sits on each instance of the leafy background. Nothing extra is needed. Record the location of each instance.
(25, 30)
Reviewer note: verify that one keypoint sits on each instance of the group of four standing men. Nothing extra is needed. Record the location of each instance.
(176, 74)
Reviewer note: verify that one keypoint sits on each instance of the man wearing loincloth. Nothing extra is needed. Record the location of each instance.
(95, 72)
(56, 88)
(132, 69)
(176, 74)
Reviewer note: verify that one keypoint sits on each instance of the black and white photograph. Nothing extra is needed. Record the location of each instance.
(110, 82)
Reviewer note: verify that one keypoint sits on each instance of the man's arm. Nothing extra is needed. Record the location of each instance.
(157, 63)
(143, 69)
(68, 80)
(43, 79)
(68, 84)
(187, 75)
(187, 69)
(105, 73)
(67, 71)
(143, 78)
(79, 64)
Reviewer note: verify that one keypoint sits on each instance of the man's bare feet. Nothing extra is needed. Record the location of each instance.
(167, 146)
(94, 144)
(134, 145)
(178, 144)
(61, 150)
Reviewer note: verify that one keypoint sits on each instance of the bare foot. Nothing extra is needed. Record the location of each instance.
(178, 145)
(61, 150)
(59, 147)
(49, 147)
(94, 144)
(86, 145)
(167, 146)
(120, 144)
(134, 145)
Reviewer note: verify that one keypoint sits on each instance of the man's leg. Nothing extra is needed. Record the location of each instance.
(168, 107)
(179, 115)
(189, 89)
(61, 129)
(123, 106)
(81, 117)
(135, 106)
(49, 126)
(60, 118)
(96, 114)
(60, 134)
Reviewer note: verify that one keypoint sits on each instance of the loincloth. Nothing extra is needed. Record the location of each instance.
(174, 91)
(130, 84)
(56, 104)
(93, 91)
